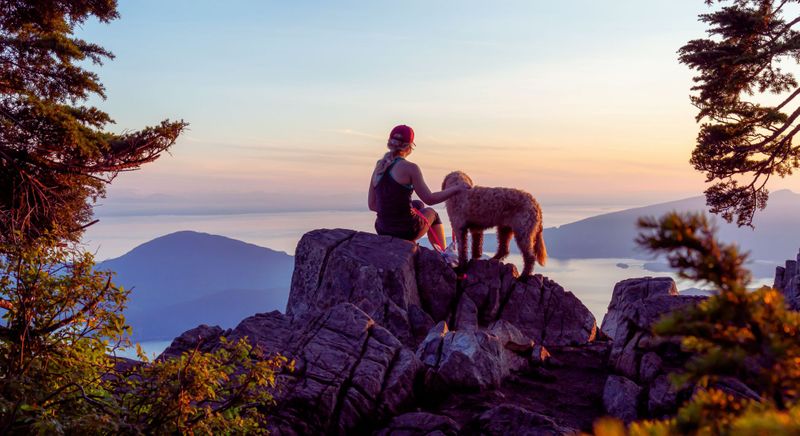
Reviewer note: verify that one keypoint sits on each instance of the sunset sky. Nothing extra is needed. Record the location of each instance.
(290, 103)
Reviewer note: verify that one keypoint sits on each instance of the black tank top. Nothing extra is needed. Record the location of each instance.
(394, 206)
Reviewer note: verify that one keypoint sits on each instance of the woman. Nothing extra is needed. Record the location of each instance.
(390, 188)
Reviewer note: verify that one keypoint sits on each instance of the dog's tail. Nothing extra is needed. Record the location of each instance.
(540, 249)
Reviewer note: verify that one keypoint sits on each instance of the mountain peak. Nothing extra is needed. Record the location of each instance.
(186, 277)
(189, 242)
(783, 192)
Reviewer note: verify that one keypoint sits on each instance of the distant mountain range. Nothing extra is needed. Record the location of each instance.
(776, 236)
(188, 278)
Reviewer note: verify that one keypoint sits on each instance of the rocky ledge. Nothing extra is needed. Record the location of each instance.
(787, 280)
(387, 341)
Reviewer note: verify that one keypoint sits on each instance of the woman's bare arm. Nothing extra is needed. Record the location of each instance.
(371, 200)
(424, 193)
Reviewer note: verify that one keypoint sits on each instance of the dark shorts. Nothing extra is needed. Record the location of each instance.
(409, 228)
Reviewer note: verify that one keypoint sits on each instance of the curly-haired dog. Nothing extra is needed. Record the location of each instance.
(512, 211)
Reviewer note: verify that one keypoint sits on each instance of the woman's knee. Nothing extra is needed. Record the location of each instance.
(432, 216)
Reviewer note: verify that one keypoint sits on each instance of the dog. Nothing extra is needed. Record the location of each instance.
(514, 212)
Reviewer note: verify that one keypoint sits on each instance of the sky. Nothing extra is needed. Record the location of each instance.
(290, 103)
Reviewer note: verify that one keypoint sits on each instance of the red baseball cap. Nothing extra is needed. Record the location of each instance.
(402, 133)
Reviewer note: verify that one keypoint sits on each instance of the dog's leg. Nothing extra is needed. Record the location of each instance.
(525, 244)
(504, 235)
(461, 241)
(477, 243)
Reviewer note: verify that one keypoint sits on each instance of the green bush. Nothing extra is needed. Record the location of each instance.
(62, 319)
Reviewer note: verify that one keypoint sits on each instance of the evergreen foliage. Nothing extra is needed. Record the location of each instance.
(54, 154)
(749, 336)
(63, 322)
(61, 319)
(746, 101)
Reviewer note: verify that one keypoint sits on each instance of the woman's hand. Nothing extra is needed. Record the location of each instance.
(424, 193)
(457, 189)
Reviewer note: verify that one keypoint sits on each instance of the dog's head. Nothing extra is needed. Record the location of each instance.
(456, 177)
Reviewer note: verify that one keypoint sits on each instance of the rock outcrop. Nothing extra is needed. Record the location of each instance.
(629, 292)
(376, 273)
(621, 397)
(203, 338)
(407, 289)
(350, 372)
(640, 360)
(474, 359)
(787, 280)
(510, 419)
(386, 340)
(420, 423)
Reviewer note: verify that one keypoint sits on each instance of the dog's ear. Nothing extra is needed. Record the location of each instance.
(446, 180)
(468, 179)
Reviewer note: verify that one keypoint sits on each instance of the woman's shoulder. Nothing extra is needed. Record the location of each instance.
(403, 163)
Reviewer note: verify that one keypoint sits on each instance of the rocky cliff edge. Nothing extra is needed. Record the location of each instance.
(387, 341)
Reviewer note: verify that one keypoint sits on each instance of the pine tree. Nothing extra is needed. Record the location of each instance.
(735, 333)
(55, 156)
(60, 317)
(747, 102)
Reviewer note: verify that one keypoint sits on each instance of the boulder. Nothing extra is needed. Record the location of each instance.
(510, 419)
(662, 397)
(791, 293)
(787, 280)
(646, 313)
(487, 284)
(629, 292)
(620, 398)
(474, 360)
(519, 349)
(466, 314)
(650, 366)
(420, 423)
(420, 322)
(635, 331)
(310, 260)
(376, 273)
(626, 360)
(468, 361)
(351, 374)
(429, 351)
(436, 283)
(268, 331)
(639, 358)
(550, 315)
(203, 338)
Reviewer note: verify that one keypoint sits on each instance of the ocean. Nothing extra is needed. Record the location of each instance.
(591, 280)
(114, 236)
